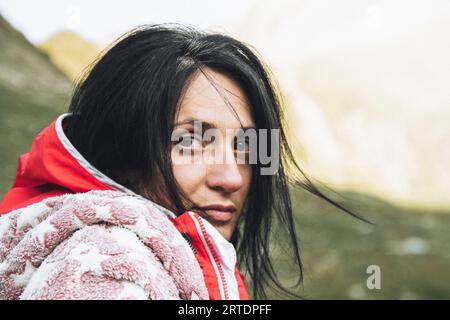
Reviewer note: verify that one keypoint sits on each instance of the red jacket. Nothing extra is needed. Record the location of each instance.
(54, 167)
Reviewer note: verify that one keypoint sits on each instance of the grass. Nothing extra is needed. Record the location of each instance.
(411, 247)
(21, 119)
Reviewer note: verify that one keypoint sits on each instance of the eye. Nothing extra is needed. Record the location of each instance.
(241, 144)
(190, 141)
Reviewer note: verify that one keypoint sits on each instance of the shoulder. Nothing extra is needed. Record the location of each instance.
(104, 243)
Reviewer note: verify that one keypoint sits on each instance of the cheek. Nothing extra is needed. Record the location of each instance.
(189, 177)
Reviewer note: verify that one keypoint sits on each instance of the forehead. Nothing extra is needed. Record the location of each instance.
(216, 99)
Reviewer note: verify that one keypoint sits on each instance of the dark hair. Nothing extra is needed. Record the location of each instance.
(123, 116)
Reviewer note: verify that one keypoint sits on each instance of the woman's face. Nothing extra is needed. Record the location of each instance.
(208, 170)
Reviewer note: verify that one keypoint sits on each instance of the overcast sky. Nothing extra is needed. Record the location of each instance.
(101, 21)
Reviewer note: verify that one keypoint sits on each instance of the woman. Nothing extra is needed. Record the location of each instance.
(120, 199)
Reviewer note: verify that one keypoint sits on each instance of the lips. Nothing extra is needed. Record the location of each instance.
(219, 213)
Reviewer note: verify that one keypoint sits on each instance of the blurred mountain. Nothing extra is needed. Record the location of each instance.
(26, 70)
(70, 52)
(32, 93)
(367, 84)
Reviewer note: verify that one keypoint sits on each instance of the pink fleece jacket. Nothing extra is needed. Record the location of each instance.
(95, 245)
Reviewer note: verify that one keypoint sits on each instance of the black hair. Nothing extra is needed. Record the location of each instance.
(123, 116)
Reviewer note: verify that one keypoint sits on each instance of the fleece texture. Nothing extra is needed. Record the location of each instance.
(95, 245)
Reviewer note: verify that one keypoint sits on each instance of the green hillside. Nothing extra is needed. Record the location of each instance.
(411, 247)
(32, 93)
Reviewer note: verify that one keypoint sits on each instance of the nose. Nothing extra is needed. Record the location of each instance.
(224, 177)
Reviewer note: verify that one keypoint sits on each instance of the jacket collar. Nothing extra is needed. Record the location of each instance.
(216, 256)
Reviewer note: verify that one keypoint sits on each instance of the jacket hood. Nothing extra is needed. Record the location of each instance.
(53, 167)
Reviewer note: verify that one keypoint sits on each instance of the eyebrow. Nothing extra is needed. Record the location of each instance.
(205, 124)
